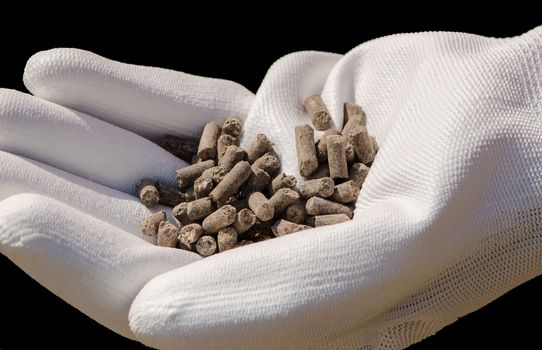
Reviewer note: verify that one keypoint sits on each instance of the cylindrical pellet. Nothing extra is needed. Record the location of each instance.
(351, 109)
(233, 155)
(332, 219)
(295, 212)
(322, 144)
(283, 227)
(322, 187)
(169, 195)
(206, 246)
(259, 146)
(149, 226)
(189, 235)
(223, 142)
(347, 192)
(282, 199)
(167, 235)
(221, 217)
(268, 163)
(322, 171)
(244, 220)
(187, 175)
(353, 121)
(261, 206)
(282, 181)
(306, 150)
(182, 148)
(199, 208)
(226, 238)
(231, 183)
(256, 183)
(320, 206)
(180, 212)
(232, 126)
(148, 193)
(203, 186)
(361, 142)
(208, 142)
(357, 174)
(338, 168)
(317, 111)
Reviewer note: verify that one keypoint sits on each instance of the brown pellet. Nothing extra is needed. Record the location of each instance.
(148, 193)
(259, 146)
(232, 126)
(321, 147)
(231, 183)
(282, 181)
(199, 209)
(306, 150)
(208, 142)
(357, 174)
(268, 162)
(222, 217)
(351, 109)
(149, 226)
(167, 235)
(233, 155)
(338, 168)
(322, 187)
(283, 227)
(226, 238)
(282, 199)
(187, 175)
(203, 186)
(261, 206)
(295, 212)
(182, 148)
(169, 195)
(206, 246)
(244, 220)
(331, 219)
(317, 110)
(353, 121)
(180, 212)
(189, 235)
(216, 173)
(321, 206)
(190, 195)
(347, 192)
(361, 142)
(322, 171)
(256, 183)
(223, 142)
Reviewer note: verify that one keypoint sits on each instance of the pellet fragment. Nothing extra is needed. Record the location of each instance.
(282, 199)
(361, 142)
(232, 126)
(187, 175)
(331, 219)
(148, 193)
(180, 212)
(167, 235)
(322, 187)
(306, 150)
(203, 186)
(256, 183)
(223, 142)
(283, 227)
(169, 195)
(268, 162)
(317, 110)
(357, 174)
(231, 183)
(322, 144)
(351, 109)
(259, 146)
(149, 226)
(261, 206)
(322, 171)
(338, 168)
(183, 148)
(282, 181)
(199, 209)
(295, 212)
(347, 192)
(222, 217)
(216, 173)
(226, 238)
(233, 155)
(321, 206)
(189, 235)
(208, 142)
(374, 143)
(206, 246)
(244, 220)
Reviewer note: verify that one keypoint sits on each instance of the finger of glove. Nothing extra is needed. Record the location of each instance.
(146, 100)
(80, 144)
(89, 263)
(22, 175)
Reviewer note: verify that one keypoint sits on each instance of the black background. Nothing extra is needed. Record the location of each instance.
(242, 49)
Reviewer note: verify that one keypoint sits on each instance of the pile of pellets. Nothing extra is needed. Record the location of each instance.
(230, 197)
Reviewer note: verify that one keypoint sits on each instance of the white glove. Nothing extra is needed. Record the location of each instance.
(447, 220)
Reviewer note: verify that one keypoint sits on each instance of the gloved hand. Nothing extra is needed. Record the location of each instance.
(447, 220)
